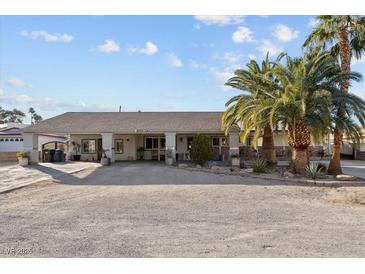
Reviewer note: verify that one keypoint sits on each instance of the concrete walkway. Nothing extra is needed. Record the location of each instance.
(15, 176)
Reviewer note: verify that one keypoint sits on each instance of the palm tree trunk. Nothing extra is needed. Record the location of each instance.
(345, 57)
(299, 160)
(299, 139)
(268, 146)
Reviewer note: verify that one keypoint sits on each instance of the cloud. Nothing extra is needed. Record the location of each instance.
(220, 20)
(285, 34)
(195, 65)
(252, 56)
(149, 49)
(355, 61)
(231, 57)
(55, 37)
(242, 34)
(15, 98)
(174, 60)
(109, 46)
(313, 22)
(268, 46)
(18, 83)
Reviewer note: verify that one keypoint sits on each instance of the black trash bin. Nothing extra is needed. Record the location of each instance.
(59, 156)
(46, 157)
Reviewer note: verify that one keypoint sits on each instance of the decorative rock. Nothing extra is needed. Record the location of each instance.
(182, 165)
(344, 177)
(198, 166)
(215, 168)
(288, 174)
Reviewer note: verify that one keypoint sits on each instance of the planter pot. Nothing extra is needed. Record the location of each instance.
(236, 161)
(23, 161)
(169, 161)
(76, 157)
(105, 161)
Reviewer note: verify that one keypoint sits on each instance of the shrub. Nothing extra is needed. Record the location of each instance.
(313, 170)
(21, 154)
(259, 165)
(201, 151)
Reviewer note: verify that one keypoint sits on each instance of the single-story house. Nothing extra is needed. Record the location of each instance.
(133, 135)
(147, 136)
(11, 140)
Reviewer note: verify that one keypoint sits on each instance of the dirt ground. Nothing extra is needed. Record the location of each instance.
(150, 210)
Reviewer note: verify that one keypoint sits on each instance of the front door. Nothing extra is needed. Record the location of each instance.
(100, 149)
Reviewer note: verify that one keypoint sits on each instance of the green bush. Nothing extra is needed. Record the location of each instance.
(259, 165)
(201, 151)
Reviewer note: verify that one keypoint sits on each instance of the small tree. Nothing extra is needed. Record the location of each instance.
(201, 151)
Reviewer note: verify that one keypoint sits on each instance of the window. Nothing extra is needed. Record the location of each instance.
(6, 140)
(249, 141)
(11, 140)
(162, 143)
(215, 141)
(16, 140)
(224, 141)
(1, 140)
(151, 142)
(88, 146)
(119, 148)
(21, 139)
(189, 142)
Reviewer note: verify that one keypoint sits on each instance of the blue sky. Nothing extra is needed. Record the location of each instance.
(149, 63)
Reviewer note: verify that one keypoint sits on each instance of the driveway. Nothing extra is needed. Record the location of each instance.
(151, 210)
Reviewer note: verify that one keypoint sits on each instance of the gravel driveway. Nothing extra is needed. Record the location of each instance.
(150, 210)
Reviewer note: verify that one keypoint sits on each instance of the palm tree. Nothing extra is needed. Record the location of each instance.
(344, 36)
(251, 110)
(309, 102)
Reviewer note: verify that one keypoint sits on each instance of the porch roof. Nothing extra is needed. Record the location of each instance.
(129, 122)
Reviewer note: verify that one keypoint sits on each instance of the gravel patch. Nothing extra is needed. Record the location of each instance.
(150, 210)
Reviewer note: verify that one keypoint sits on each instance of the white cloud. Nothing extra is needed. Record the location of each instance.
(313, 22)
(220, 20)
(231, 57)
(149, 49)
(48, 37)
(242, 34)
(268, 46)
(285, 34)
(1, 92)
(18, 83)
(109, 46)
(252, 56)
(195, 65)
(174, 60)
(355, 61)
(15, 98)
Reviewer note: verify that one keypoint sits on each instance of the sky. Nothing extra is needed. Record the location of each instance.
(149, 63)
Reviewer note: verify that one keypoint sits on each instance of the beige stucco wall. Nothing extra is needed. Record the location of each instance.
(129, 145)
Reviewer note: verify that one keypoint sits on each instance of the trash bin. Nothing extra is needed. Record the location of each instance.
(59, 156)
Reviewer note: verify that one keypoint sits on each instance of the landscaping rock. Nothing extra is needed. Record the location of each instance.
(344, 177)
(198, 166)
(182, 165)
(288, 174)
(215, 168)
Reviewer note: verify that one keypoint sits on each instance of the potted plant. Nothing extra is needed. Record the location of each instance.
(105, 161)
(140, 153)
(22, 158)
(76, 151)
(236, 161)
(169, 157)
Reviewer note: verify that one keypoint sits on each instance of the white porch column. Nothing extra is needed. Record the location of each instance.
(108, 144)
(30, 145)
(234, 143)
(171, 144)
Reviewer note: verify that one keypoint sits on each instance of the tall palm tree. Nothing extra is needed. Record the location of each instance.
(344, 36)
(250, 110)
(310, 95)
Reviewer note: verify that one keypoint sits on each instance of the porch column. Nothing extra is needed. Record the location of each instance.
(171, 144)
(234, 143)
(30, 146)
(108, 144)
